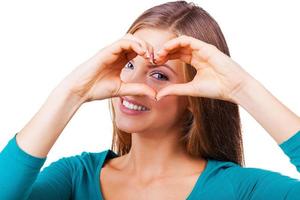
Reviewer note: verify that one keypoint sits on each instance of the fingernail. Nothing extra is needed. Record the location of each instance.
(152, 61)
(152, 58)
(147, 54)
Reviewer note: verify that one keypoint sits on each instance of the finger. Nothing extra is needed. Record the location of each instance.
(130, 36)
(186, 42)
(183, 41)
(128, 48)
(131, 55)
(175, 89)
(139, 89)
(178, 48)
(178, 55)
(126, 45)
(144, 44)
(174, 44)
(151, 59)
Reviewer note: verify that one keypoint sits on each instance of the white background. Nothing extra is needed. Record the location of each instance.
(42, 41)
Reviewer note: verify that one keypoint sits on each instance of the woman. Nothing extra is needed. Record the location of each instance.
(174, 94)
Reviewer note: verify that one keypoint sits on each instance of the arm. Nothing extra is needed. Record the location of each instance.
(25, 154)
(284, 126)
(255, 183)
(280, 122)
(21, 177)
(40, 134)
(219, 77)
(96, 79)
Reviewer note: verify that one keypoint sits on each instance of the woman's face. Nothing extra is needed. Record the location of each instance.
(159, 116)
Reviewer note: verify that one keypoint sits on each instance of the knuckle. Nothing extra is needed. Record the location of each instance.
(165, 45)
(212, 47)
(131, 37)
(128, 35)
(185, 37)
(120, 41)
(116, 90)
(125, 42)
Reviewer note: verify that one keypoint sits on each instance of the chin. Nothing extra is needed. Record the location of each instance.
(129, 128)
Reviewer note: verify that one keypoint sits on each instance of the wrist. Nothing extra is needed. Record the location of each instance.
(65, 90)
(244, 91)
(280, 122)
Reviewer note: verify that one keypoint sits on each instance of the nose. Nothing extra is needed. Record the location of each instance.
(139, 73)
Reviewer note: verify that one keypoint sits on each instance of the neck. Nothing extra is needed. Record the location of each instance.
(154, 154)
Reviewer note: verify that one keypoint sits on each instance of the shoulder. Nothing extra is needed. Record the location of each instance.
(245, 181)
(236, 172)
(235, 175)
(83, 161)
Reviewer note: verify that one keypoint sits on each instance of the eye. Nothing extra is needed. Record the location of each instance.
(160, 76)
(129, 65)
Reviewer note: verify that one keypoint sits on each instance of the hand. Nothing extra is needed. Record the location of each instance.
(218, 76)
(99, 77)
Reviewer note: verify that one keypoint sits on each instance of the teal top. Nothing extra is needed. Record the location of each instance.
(77, 177)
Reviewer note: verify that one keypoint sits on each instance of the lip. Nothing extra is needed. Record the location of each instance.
(129, 111)
(133, 102)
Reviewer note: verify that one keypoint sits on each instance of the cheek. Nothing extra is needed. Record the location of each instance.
(170, 108)
(124, 76)
(167, 106)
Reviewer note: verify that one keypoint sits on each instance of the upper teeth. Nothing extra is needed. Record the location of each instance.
(133, 106)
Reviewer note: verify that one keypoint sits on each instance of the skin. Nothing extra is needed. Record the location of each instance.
(133, 176)
(155, 158)
(219, 77)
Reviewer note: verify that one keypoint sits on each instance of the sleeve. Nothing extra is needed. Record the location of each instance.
(20, 176)
(255, 183)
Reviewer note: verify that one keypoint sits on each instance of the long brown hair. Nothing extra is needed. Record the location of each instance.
(213, 128)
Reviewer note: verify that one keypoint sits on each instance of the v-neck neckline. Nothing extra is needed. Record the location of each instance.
(199, 183)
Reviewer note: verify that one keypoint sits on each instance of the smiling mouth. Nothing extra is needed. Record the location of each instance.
(133, 105)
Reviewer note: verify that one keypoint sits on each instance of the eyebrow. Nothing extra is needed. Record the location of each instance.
(162, 65)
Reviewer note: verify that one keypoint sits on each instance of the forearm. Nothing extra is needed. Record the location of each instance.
(41, 132)
(280, 122)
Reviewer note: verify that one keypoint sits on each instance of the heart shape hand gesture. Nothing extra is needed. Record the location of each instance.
(218, 76)
(99, 77)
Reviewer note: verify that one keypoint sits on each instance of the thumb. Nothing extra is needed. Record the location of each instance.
(175, 89)
(139, 89)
